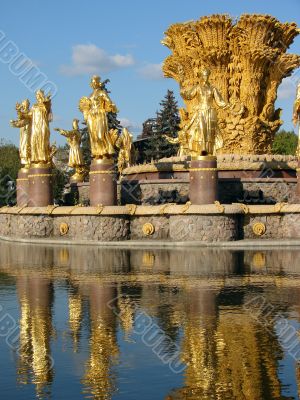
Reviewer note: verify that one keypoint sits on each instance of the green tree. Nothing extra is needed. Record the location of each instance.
(167, 123)
(285, 143)
(9, 167)
(60, 180)
(86, 145)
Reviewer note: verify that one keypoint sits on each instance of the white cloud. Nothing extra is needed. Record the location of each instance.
(133, 126)
(152, 71)
(287, 89)
(125, 122)
(90, 59)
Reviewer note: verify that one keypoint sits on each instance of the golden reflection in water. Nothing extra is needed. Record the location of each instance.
(126, 314)
(229, 355)
(75, 317)
(35, 364)
(98, 378)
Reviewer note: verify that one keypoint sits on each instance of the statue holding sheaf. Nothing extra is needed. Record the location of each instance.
(95, 109)
(38, 118)
(202, 126)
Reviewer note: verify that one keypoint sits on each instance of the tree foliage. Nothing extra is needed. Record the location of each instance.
(167, 123)
(9, 167)
(285, 143)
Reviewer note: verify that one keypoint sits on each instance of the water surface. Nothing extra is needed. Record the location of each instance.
(92, 323)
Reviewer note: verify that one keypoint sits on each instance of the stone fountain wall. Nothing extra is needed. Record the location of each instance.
(165, 223)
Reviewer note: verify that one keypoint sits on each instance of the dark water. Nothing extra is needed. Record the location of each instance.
(89, 323)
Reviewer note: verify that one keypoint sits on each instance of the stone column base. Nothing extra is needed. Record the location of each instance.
(103, 183)
(40, 180)
(203, 180)
(22, 187)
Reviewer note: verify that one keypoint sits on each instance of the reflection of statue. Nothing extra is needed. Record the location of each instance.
(25, 131)
(202, 127)
(34, 355)
(40, 115)
(95, 109)
(75, 154)
(296, 116)
(127, 152)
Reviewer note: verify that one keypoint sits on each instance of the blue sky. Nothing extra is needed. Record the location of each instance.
(68, 41)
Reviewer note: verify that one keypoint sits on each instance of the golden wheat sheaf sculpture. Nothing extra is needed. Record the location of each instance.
(248, 61)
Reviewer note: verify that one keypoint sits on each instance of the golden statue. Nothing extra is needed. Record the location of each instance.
(75, 155)
(25, 131)
(183, 138)
(296, 117)
(39, 116)
(127, 152)
(95, 109)
(202, 126)
(247, 60)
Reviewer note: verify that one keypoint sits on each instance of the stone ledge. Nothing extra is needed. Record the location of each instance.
(130, 209)
(165, 209)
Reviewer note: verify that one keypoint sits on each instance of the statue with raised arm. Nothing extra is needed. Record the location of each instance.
(202, 127)
(95, 109)
(296, 117)
(24, 124)
(127, 152)
(75, 154)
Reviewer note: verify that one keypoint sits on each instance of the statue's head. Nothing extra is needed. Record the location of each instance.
(40, 96)
(204, 74)
(95, 82)
(25, 104)
(75, 123)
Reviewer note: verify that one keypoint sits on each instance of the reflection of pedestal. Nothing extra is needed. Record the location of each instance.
(22, 187)
(103, 183)
(40, 186)
(204, 180)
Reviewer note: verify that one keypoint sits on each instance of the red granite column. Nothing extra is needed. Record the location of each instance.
(22, 187)
(203, 180)
(103, 183)
(40, 180)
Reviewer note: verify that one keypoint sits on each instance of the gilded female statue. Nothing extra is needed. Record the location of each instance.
(127, 151)
(95, 109)
(39, 116)
(25, 131)
(202, 127)
(183, 137)
(75, 154)
(296, 117)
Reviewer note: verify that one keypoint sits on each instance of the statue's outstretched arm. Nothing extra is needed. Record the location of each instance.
(19, 123)
(171, 140)
(63, 132)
